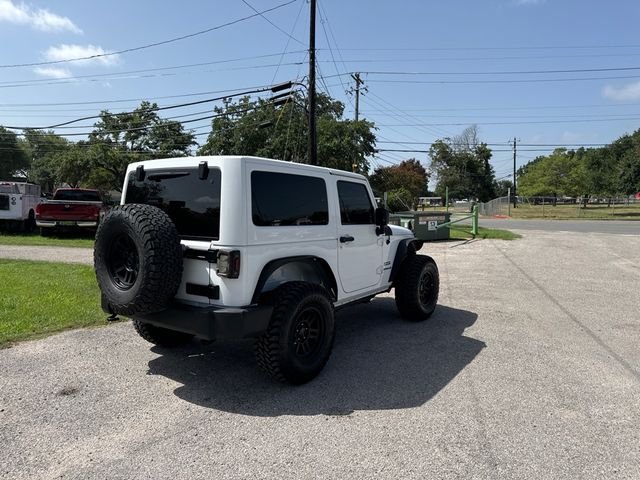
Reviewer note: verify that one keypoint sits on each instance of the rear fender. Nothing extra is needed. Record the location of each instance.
(300, 268)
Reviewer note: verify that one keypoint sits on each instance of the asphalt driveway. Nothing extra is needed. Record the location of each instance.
(530, 368)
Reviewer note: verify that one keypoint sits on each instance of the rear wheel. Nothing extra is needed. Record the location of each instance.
(162, 337)
(299, 340)
(417, 287)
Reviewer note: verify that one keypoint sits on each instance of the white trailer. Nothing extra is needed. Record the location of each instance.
(18, 201)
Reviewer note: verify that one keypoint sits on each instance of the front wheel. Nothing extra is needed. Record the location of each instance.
(417, 287)
(299, 339)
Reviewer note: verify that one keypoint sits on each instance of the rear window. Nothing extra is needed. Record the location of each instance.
(192, 204)
(77, 196)
(282, 199)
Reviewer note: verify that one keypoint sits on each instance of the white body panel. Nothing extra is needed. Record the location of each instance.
(23, 198)
(361, 269)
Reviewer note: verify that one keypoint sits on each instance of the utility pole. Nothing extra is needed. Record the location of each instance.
(313, 147)
(515, 194)
(358, 80)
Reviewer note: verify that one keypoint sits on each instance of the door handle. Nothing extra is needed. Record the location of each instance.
(346, 238)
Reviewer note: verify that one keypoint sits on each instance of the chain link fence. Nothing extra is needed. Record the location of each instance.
(497, 206)
(576, 206)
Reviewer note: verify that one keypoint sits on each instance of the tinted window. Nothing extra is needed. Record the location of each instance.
(281, 199)
(77, 195)
(355, 204)
(192, 204)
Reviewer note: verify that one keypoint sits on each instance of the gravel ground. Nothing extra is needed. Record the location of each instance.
(47, 254)
(529, 369)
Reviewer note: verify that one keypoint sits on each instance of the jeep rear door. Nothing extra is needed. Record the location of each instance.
(359, 247)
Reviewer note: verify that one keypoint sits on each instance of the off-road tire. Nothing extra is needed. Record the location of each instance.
(145, 277)
(279, 351)
(417, 287)
(163, 337)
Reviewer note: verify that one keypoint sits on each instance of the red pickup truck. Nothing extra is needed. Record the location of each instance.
(70, 207)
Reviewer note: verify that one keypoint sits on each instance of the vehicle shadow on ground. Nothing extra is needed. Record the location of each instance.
(379, 362)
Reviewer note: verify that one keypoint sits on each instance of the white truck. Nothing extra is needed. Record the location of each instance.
(227, 247)
(18, 202)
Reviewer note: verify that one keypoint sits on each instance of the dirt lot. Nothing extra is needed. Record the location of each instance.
(530, 368)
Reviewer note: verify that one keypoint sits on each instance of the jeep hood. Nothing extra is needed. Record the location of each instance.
(400, 231)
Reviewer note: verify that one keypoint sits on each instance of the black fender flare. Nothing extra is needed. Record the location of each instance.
(406, 247)
(319, 266)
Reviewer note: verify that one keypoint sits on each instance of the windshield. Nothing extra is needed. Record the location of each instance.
(193, 204)
(77, 195)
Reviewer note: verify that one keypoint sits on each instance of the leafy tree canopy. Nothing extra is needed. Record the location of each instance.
(462, 164)
(256, 127)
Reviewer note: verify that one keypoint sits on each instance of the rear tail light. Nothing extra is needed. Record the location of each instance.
(38, 210)
(228, 263)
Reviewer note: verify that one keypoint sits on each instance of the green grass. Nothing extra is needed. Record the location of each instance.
(37, 240)
(573, 212)
(40, 298)
(458, 233)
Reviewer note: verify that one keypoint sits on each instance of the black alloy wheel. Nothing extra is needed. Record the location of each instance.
(308, 331)
(123, 262)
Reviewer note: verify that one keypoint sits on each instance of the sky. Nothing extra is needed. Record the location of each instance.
(546, 72)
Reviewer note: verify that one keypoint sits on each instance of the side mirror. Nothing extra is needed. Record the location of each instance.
(382, 216)
(382, 221)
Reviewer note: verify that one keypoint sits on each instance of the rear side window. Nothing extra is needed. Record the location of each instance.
(282, 199)
(77, 196)
(192, 204)
(355, 204)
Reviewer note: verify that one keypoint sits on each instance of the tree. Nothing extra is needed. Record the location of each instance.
(249, 127)
(560, 174)
(501, 187)
(120, 139)
(404, 183)
(462, 163)
(14, 158)
(43, 147)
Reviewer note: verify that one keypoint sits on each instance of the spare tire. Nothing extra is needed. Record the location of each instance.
(137, 259)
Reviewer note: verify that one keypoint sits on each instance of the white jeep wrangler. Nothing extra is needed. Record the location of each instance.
(237, 247)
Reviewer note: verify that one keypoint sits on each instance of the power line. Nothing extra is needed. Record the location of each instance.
(596, 120)
(505, 143)
(270, 22)
(506, 72)
(152, 109)
(150, 45)
(531, 80)
(147, 70)
(93, 102)
(529, 47)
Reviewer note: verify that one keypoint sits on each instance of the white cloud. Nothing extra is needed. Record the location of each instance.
(52, 72)
(39, 18)
(66, 52)
(626, 93)
(529, 2)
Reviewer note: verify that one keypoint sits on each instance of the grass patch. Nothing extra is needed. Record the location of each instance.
(488, 233)
(37, 240)
(40, 298)
(573, 212)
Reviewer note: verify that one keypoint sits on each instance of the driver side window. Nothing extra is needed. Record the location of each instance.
(355, 204)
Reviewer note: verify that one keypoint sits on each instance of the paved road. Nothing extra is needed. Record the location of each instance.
(48, 254)
(628, 227)
(529, 369)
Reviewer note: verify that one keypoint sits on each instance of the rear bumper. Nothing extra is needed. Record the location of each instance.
(213, 323)
(66, 223)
